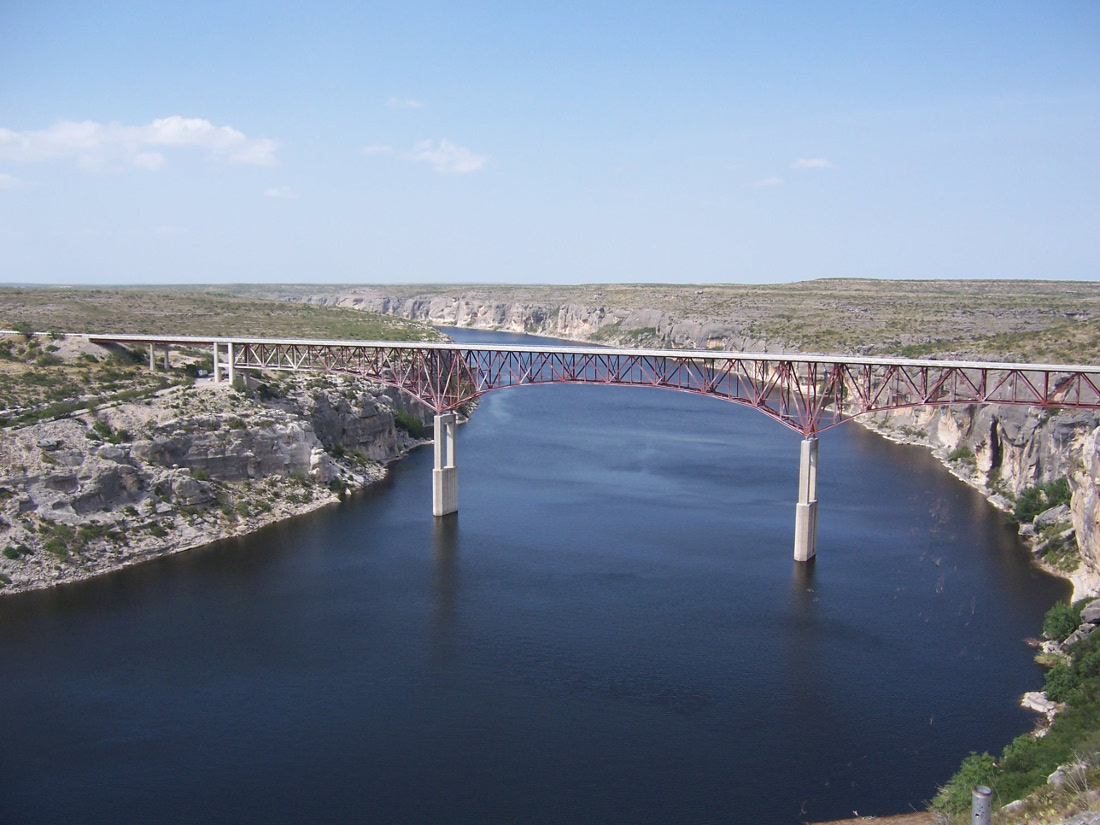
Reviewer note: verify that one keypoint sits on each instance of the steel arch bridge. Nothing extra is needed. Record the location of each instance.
(805, 393)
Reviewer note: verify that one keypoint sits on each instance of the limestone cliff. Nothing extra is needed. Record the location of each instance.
(85, 495)
(629, 327)
(1004, 451)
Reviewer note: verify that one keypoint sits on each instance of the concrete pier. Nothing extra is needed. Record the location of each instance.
(805, 515)
(445, 474)
(232, 373)
(217, 365)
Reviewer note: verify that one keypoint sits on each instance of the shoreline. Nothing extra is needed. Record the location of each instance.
(1084, 583)
(150, 550)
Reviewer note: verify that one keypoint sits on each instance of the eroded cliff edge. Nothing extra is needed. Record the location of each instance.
(99, 491)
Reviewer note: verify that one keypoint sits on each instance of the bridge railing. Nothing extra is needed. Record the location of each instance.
(807, 393)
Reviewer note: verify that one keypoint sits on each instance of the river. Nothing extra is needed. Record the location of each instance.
(610, 630)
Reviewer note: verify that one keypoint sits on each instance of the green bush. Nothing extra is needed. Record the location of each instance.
(955, 796)
(1060, 682)
(57, 546)
(409, 423)
(963, 454)
(1062, 619)
(1033, 500)
(11, 553)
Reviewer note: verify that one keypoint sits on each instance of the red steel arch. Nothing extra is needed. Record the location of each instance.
(806, 393)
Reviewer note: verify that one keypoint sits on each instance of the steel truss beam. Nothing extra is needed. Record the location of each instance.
(807, 393)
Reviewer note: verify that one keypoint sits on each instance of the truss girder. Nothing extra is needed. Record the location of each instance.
(805, 393)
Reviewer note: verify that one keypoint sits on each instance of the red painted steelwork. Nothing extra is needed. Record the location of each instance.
(807, 393)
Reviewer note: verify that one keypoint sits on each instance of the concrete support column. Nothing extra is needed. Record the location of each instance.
(805, 514)
(166, 348)
(152, 360)
(445, 474)
(232, 372)
(217, 366)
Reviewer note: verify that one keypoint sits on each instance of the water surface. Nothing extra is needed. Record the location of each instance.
(611, 629)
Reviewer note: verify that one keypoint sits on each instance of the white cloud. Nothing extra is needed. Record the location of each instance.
(8, 181)
(148, 160)
(284, 192)
(94, 145)
(446, 157)
(377, 150)
(770, 181)
(404, 103)
(811, 163)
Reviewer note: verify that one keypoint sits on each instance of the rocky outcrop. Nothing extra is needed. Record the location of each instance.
(628, 327)
(83, 496)
(1004, 451)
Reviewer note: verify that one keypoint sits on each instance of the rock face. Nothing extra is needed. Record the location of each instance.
(605, 324)
(1005, 450)
(206, 463)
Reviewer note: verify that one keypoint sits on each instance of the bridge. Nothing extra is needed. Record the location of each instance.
(805, 393)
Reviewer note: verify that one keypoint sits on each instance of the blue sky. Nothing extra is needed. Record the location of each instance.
(548, 142)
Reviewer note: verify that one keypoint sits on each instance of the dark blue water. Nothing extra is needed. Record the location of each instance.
(611, 630)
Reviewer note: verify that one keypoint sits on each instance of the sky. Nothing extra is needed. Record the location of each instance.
(461, 142)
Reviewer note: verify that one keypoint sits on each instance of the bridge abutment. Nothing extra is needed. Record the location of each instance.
(445, 474)
(805, 514)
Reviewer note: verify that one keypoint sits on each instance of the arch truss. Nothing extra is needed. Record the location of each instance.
(806, 393)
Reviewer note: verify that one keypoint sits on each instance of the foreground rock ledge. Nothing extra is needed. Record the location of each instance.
(87, 495)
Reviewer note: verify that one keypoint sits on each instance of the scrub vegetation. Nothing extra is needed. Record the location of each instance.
(1039, 321)
(1071, 745)
(194, 311)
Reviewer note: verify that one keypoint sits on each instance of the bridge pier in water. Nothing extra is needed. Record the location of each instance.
(445, 474)
(805, 514)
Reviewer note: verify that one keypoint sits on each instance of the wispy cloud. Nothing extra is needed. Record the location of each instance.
(95, 145)
(284, 192)
(769, 181)
(811, 163)
(404, 103)
(442, 155)
(8, 181)
(447, 157)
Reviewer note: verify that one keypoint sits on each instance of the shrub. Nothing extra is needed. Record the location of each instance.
(1060, 682)
(199, 474)
(11, 553)
(1062, 619)
(58, 547)
(956, 795)
(963, 454)
(1034, 500)
(409, 423)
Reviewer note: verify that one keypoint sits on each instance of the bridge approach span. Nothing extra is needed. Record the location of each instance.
(807, 393)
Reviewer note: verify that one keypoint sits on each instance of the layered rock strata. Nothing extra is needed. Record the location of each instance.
(83, 495)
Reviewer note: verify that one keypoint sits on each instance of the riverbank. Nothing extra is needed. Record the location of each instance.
(95, 492)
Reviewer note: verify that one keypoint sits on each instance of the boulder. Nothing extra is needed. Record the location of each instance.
(1079, 635)
(1037, 701)
(1055, 515)
(1091, 612)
